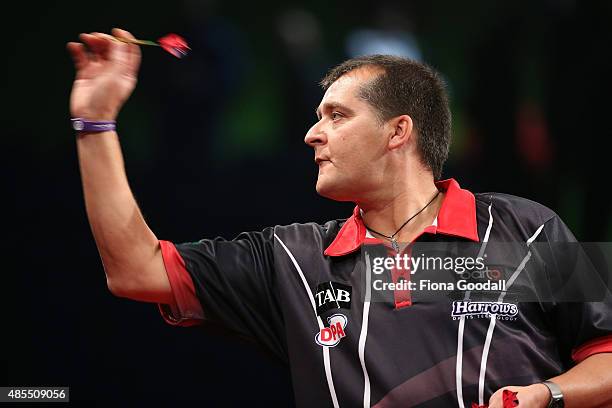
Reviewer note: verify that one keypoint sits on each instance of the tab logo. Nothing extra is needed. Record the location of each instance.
(331, 336)
(332, 295)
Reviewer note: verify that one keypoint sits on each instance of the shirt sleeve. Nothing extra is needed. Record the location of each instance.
(231, 283)
(583, 326)
(186, 309)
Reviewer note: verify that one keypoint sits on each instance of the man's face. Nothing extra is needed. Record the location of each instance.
(348, 140)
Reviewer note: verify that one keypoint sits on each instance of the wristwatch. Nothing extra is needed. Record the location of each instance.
(556, 396)
(84, 125)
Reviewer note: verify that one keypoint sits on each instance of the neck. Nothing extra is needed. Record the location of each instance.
(387, 212)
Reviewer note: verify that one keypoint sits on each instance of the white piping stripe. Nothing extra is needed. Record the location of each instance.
(364, 334)
(299, 270)
(488, 339)
(483, 361)
(535, 235)
(326, 363)
(459, 363)
(459, 366)
(485, 240)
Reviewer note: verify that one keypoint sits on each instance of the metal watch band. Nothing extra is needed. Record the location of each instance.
(556, 396)
(84, 125)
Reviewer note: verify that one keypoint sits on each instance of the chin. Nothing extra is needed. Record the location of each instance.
(332, 191)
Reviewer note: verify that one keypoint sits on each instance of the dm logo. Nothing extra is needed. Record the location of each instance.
(331, 336)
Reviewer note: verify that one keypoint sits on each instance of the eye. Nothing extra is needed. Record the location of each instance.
(336, 115)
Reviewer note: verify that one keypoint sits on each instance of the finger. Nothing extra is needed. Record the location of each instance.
(118, 32)
(102, 44)
(91, 43)
(115, 50)
(79, 55)
(134, 50)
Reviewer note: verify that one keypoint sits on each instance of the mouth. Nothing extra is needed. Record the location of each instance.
(323, 165)
(319, 161)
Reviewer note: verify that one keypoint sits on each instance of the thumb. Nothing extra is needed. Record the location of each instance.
(115, 49)
(133, 50)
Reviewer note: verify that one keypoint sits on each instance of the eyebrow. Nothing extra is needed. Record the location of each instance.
(332, 106)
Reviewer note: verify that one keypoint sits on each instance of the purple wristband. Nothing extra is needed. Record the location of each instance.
(84, 125)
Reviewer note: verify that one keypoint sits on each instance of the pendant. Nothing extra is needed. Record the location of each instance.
(394, 244)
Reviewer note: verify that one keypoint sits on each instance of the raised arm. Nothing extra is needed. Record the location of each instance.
(106, 74)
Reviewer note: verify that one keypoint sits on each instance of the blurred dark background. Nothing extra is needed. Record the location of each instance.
(214, 145)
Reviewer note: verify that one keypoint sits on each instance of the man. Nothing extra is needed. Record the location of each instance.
(381, 140)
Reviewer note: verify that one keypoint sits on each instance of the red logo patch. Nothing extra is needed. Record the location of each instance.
(331, 336)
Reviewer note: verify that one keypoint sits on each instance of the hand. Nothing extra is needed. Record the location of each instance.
(531, 396)
(106, 74)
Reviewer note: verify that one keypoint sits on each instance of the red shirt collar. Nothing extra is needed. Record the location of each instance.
(457, 217)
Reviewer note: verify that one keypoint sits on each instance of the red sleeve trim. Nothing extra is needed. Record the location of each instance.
(595, 346)
(186, 309)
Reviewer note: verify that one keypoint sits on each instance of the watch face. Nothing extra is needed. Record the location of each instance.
(78, 125)
(556, 403)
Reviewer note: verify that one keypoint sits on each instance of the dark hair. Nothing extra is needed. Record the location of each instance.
(406, 87)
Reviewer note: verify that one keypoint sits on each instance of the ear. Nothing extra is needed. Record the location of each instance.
(401, 131)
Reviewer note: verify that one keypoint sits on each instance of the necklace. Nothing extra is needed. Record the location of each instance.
(392, 236)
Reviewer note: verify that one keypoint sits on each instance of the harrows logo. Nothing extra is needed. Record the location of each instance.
(468, 308)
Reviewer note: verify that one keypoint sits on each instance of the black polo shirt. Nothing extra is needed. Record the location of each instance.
(303, 292)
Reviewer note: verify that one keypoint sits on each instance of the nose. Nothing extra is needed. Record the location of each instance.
(315, 136)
